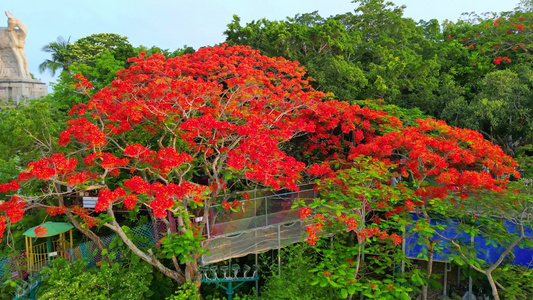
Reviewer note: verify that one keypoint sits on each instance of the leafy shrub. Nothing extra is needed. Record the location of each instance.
(65, 280)
(295, 278)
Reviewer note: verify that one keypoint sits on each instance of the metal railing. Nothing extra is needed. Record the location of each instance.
(265, 208)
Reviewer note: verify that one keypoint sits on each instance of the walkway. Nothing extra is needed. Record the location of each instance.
(267, 221)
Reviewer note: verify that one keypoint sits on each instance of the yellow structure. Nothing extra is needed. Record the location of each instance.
(40, 255)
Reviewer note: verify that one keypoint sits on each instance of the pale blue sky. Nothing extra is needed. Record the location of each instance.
(170, 24)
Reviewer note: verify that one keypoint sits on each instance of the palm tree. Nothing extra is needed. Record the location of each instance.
(60, 57)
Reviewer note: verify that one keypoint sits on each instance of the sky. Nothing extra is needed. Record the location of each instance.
(171, 24)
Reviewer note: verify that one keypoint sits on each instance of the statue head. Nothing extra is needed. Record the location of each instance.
(13, 22)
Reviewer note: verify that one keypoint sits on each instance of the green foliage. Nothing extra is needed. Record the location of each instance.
(97, 57)
(297, 261)
(187, 291)
(64, 280)
(499, 219)
(406, 115)
(86, 50)
(14, 238)
(374, 53)
(35, 126)
(501, 109)
(167, 53)
(102, 72)
(182, 245)
(60, 58)
(354, 196)
(8, 289)
(517, 280)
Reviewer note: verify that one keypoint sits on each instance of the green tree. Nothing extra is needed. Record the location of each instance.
(372, 53)
(87, 49)
(60, 59)
(501, 110)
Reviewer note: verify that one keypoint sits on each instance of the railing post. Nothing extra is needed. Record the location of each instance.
(266, 211)
(279, 250)
(208, 224)
(257, 264)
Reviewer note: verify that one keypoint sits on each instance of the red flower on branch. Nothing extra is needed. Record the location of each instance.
(14, 208)
(10, 186)
(56, 210)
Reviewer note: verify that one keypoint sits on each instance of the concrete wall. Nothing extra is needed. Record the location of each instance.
(15, 90)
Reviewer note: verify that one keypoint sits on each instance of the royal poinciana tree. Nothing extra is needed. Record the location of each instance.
(238, 118)
(220, 113)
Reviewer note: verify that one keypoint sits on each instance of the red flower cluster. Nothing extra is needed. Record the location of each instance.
(374, 231)
(91, 222)
(108, 161)
(443, 155)
(130, 201)
(162, 162)
(138, 185)
(83, 214)
(47, 167)
(164, 197)
(85, 132)
(82, 82)
(168, 158)
(304, 212)
(160, 205)
(106, 197)
(56, 210)
(233, 205)
(245, 196)
(80, 177)
(140, 152)
(350, 222)
(2, 226)
(498, 60)
(315, 228)
(9, 186)
(14, 208)
(23, 176)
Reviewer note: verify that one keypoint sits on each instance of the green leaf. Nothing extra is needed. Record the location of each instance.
(344, 293)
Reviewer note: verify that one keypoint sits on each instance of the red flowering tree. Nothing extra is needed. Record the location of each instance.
(221, 112)
(377, 170)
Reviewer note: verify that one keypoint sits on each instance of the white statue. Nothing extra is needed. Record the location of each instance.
(13, 62)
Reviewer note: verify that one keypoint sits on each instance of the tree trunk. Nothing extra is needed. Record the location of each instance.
(429, 246)
(91, 235)
(429, 269)
(87, 232)
(192, 272)
(147, 257)
(493, 285)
